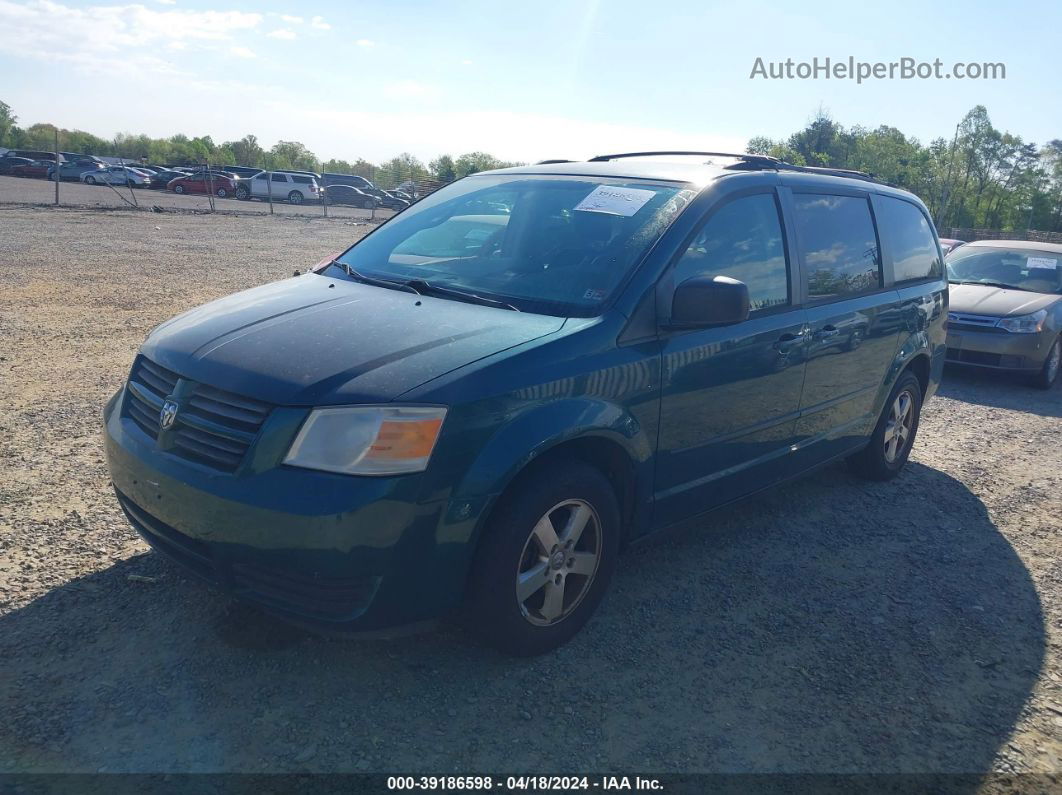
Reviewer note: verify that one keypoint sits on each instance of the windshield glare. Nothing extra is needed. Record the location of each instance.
(1020, 268)
(555, 245)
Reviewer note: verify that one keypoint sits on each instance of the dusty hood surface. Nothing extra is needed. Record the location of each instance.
(976, 299)
(315, 340)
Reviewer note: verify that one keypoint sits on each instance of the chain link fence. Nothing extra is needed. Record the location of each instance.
(113, 183)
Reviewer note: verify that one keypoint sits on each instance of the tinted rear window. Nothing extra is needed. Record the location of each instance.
(836, 237)
(301, 180)
(907, 233)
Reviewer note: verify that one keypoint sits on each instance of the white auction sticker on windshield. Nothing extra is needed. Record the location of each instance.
(615, 201)
(1042, 262)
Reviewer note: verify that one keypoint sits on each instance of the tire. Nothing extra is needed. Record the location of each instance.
(178, 188)
(884, 457)
(543, 505)
(242, 193)
(295, 197)
(90, 180)
(221, 193)
(366, 204)
(1048, 374)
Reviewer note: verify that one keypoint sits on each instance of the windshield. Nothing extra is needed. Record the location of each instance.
(548, 244)
(1020, 268)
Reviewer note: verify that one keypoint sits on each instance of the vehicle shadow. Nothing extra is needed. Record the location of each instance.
(1000, 390)
(829, 626)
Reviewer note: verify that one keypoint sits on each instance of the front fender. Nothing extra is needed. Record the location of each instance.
(533, 433)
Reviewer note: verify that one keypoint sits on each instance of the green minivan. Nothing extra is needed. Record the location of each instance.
(477, 407)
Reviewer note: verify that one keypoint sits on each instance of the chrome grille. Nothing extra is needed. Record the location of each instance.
(213, 427)
(149, 385)
(961, 320)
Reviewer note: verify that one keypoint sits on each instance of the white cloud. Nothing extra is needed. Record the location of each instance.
(466, 62)
(320, 24)
(291, 20)
(365, 43)
(242, 52)
(166, 2)
(282, 33)
(112, 38)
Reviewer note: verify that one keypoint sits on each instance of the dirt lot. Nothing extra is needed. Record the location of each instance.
(25, 191)
(828, 626)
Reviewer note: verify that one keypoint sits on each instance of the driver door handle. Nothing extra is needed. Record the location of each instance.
(788, 341)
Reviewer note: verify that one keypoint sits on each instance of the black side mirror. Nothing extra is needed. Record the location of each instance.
(709, 301)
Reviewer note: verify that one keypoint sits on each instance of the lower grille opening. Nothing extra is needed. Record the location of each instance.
(324, 597)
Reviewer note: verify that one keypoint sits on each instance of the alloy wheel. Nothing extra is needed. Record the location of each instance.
(559, 562)
(898, 426)
(1054, 358)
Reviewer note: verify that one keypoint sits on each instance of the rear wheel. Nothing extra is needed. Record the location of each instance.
(242, 193)
(890, 444)
(295, 197)
(1048, 374)
(178, 188)
(221, 193)
(546, 559)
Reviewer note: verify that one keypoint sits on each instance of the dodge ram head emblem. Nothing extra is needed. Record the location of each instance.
(168, 415)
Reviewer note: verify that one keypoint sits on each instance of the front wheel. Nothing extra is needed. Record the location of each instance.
(178, 188)
(545, 560)
(295, 197)
(242, 193)
(1048, 374)
(221, 193)
(894, 435)
(90, 180)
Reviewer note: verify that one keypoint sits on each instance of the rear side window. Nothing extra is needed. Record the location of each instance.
(742, 240)
(910, 239)
(837, 240)
(279, 178)
(301, 180)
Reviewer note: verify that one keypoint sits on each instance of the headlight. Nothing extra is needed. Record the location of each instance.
(367, 440)
(1024, 324)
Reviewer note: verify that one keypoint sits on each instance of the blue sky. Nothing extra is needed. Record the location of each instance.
(523, 81)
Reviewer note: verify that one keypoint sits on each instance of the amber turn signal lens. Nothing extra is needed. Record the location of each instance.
(404, 439)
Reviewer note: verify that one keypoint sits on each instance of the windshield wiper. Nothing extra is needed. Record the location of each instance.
(361, 277)
(1004, 285)
(426, 288)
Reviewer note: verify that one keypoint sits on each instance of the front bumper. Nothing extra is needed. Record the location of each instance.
(997, 349)
(346, 553)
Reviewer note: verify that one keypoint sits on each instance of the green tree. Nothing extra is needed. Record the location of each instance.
(8, 122)
(442, 168)
(247, 152)
(292, 155)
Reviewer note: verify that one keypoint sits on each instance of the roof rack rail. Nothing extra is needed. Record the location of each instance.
(750, 162)
(550, 162)
(831, 172)
(766, 160)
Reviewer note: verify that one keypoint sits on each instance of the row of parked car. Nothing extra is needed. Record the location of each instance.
(294, 187)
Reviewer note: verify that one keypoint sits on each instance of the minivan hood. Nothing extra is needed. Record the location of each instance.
(313, 340)
(980, 299)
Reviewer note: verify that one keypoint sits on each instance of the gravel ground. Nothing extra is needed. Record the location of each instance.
(32, 192)
(828, 626)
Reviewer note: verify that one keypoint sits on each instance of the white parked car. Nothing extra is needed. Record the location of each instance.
(285, 186)
(117, 175)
